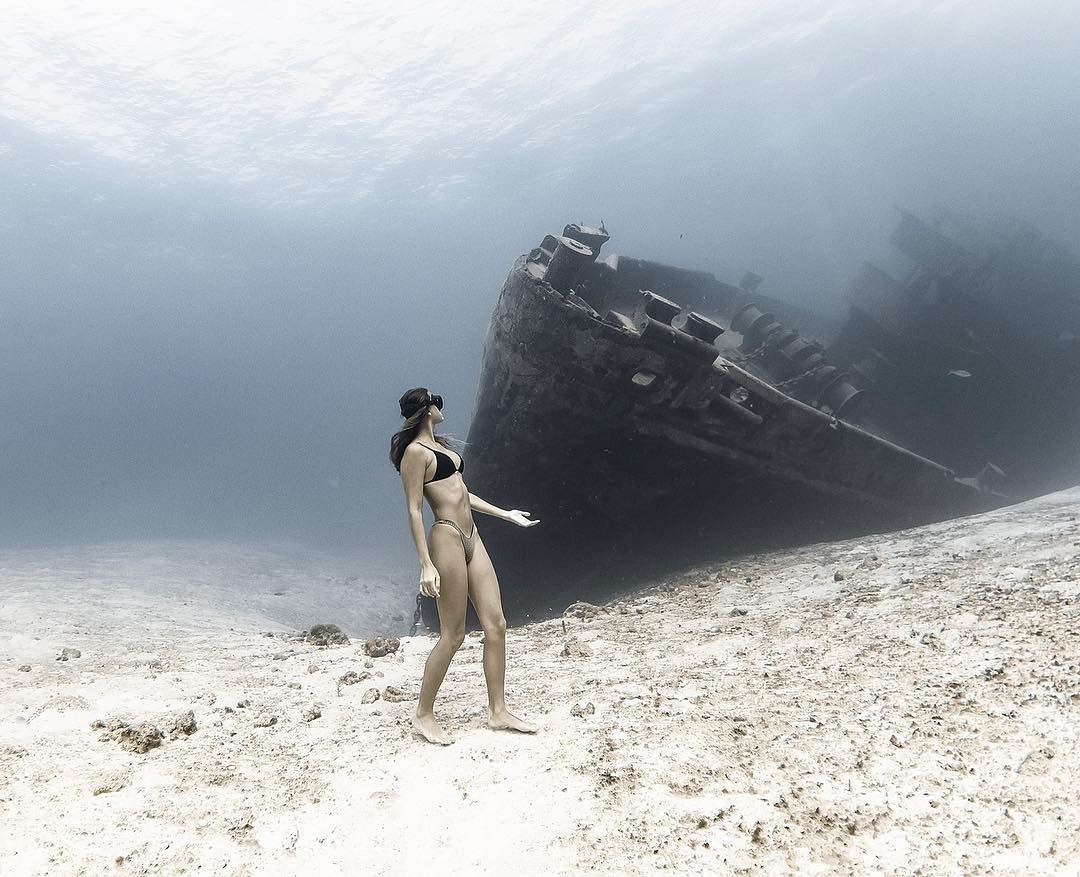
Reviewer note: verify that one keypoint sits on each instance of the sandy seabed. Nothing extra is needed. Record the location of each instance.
(900, 704)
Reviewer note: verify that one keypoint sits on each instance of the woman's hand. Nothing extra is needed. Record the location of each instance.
(429, 580)
(520, 518)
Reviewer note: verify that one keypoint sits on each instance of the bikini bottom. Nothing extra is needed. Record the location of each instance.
(467, 542)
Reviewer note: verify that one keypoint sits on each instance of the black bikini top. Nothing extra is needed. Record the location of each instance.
(444, 465)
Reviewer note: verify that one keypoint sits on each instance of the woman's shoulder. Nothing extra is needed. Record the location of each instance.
(415, 450)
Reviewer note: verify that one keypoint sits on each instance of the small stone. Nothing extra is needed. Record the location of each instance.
(380, 646)
(139, 738)
(68, 654)
(243, 704)
(352, 677)
(838, 576)
(369, 663)
(738, 610)
(180, 724)
(313, 668)
(581, 609)
(265, 720)
(293, 685)
(25, 668)
(395, 695)
(582, 709)
(574, 648)
(107, 784)
(326, 635)
(370, 696)
(241, 821)
(311, 712)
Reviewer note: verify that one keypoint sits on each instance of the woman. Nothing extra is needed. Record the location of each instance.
(454, 565)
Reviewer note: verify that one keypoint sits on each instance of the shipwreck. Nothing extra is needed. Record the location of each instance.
(652, 416)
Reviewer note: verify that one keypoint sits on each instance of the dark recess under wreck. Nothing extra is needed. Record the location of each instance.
(652, 416)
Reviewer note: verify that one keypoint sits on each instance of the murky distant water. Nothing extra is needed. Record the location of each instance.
(198, 584)
(231, 235)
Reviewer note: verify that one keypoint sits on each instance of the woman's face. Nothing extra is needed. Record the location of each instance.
(436, 414)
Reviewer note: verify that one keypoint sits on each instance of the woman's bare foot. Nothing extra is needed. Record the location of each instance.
(429, 729)
(508, 721)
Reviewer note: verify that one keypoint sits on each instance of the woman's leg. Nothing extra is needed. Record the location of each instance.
(487, 600)
(444, 544)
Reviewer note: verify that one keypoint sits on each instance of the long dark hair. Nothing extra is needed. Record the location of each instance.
(414, 404)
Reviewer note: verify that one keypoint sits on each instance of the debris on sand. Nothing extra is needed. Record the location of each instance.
(581, 609)
(139, 737)
(325, 635)
(381, 646)
(108, 783)
(352, 677)
(574, 648)
(396, 695)
(180, 724)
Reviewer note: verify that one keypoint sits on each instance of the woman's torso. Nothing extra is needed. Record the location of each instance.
(448, 496)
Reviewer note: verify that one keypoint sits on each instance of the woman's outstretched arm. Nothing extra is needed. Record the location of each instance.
(515, 516)
(486, 508)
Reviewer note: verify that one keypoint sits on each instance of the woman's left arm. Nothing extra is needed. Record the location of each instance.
(486, 508)
(513, 515)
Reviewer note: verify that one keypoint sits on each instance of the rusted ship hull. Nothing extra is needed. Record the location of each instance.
(640, 447)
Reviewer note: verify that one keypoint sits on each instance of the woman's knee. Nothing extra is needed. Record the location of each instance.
(452, 637)
(495, 626)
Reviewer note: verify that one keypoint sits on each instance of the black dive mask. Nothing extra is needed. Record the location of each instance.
(410, 410)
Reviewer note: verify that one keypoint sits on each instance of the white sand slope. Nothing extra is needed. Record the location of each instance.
(918, 716)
